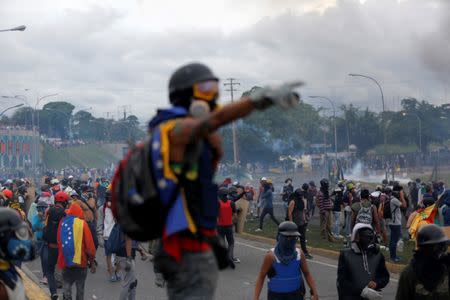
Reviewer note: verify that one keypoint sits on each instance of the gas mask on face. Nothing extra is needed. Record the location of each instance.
(366, 240)
(199, 109)
(20, 245)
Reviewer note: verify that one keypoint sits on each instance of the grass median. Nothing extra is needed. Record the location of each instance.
(314, 240)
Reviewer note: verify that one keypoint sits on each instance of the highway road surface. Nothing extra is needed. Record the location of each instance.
(233, 284)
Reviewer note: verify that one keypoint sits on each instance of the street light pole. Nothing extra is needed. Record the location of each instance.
(18, 28)
(334, 121)
(37, 105)
(382, 102)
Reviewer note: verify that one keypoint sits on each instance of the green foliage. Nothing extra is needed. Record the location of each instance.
(58, 120)
(394, 149)
(87, 156)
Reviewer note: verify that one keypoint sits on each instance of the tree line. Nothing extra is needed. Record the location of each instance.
(59, 120)
(267, 135)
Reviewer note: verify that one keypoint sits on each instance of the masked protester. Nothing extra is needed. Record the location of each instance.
(225, 222)
(427, 275)
(325, 205)
(16, 244)
(186, 150)
(53, 217)
(362, 269)
(286, 268)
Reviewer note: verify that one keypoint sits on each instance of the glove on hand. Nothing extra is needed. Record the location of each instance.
(371, 294)
(282, 96)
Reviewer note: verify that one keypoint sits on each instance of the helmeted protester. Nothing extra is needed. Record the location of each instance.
(38, 224)
(362, 272)
(312, 198)
(7, 196)
(286, 268)
(225, 222)
(365, 212)
(297, 213)
(288, 189)
(16, 244)
(427, 276)
(338, 204)
(395, 204)
(108, 224)
(88, 204)
(446, 208)
(186, 150)
(76, 251)
(325, 206)
(54, 215)
(266, 200)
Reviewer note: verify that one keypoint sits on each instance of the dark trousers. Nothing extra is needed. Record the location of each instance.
(267, 211)
(71, 276)
(396, 231)
(302, 231)
(52, 259)
(226, 232)
(43, 254)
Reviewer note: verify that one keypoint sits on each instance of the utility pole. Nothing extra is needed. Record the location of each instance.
(231, 83)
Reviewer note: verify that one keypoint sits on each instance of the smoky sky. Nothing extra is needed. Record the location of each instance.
(103, 57)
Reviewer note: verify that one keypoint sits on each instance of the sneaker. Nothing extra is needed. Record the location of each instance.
(258, 230)
(43, 280)
(54, 297)
(309, 256)
(236, 260)
(396, 259)
(114, 278)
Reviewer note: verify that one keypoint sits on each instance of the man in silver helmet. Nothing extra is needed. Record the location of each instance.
(362, 272)
(428, 274)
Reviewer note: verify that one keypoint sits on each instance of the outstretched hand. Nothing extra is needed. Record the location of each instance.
(283, 96)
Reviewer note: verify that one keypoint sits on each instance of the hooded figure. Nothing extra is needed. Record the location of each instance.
(362, 270)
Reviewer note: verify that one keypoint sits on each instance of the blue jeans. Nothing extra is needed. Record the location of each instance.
(337, 222)
(43, 254)
(396, 231)
(52, 259)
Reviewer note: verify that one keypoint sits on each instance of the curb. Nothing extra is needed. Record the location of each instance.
(393, 268)
(31, 284)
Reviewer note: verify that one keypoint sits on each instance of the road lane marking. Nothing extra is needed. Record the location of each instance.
(312, 261)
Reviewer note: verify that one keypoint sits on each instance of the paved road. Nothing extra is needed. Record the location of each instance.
(233, 284)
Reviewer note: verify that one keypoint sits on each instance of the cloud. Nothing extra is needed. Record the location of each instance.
(123, 54)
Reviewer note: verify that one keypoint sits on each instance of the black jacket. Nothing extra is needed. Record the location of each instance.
(352, 278)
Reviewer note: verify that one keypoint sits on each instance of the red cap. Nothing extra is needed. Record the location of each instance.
(8, 193)
(61, 197)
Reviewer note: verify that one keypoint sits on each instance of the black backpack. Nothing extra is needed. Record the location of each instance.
(387, 212)
(135, 198)
(55, 214)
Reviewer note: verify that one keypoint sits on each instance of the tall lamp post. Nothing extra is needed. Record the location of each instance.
(419, 121)
(18, 28)
(334, 121)
(382, 102)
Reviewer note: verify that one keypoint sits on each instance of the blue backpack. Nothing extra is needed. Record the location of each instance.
(116, 241)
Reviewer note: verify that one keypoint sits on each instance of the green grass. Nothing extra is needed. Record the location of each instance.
(314, 240)
(86, 156)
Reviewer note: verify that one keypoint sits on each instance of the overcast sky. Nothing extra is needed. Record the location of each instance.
(104, 54)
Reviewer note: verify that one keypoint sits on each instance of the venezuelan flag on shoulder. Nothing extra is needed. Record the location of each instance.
(72, 240)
